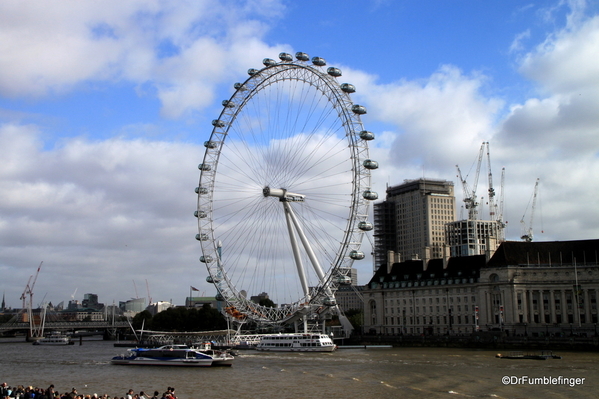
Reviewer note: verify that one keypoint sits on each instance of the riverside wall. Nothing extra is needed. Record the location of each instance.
(481, 341)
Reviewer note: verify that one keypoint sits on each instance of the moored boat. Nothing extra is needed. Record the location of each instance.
(543, 355)
(297, 342)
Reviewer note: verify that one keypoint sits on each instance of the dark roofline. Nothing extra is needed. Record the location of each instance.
(545, 253)
(457, 267)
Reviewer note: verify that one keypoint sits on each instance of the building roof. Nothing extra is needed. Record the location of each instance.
(545, 253)
(509, 253)
(462, 267)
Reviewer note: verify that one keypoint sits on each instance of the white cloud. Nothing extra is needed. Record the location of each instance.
(439, 120)
(112, 204)
(184, 49)
(566, 62)
(555, 136)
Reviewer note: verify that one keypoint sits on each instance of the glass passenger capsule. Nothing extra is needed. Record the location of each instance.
(219, 297)
(253, 71)
(358, 109)
(206, 259)
(348, 87)
(202, 237)
(370, 195)
(212, 280)
(366, 135)
(210, 144)
(201, 190)
(302, 56)
(218, 123)
(370, 164)
(205, 167)
(329, 301)
(336, 72)
(344, 280)
(365, 226)
(356, 255)
(228, 104)
(285, 57)
(318, 61)
(200, 214)
(268, 62)
(239, 86)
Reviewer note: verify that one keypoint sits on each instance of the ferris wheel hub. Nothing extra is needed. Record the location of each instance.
(282, 194)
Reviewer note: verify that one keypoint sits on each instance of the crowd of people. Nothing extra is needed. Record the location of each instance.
(30, 392)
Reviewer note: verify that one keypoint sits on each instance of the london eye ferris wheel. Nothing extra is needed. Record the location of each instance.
(284, 191)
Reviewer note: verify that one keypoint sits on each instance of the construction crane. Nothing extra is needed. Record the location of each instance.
(527, 234)
(471, 202)
(29, 288)
(26, 292)
(499, 219)
(148, 289)
(491, 190)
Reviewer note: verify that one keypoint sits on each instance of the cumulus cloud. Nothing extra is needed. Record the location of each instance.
(439, 120)
(555, 135)
(113, 204)
(183, 50)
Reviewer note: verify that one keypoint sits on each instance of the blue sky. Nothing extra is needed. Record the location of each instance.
(104, 109)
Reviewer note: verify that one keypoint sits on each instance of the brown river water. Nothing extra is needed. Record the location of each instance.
(346, 373)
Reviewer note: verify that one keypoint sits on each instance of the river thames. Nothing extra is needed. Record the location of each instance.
(346, 373)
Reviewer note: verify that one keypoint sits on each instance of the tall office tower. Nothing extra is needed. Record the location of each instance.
(410, 223)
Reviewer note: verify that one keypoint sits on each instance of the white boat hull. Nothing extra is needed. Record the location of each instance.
(54, 341)
(174, 355)
(324, 349)
(296, 343)
(141, 361)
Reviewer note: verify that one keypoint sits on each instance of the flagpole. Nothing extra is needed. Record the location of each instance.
(189, 305)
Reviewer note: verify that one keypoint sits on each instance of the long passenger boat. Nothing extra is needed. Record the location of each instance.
(296, 343)
(173, 355)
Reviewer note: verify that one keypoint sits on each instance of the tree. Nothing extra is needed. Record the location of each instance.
(355, 317)
(267, 302)
(142, 319)
(185, 319)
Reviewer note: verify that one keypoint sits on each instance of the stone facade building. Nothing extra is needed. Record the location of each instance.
(524, 288)
(536, 287)
(414, 297)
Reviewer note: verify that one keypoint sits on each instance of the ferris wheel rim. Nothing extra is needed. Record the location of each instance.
(259, 79)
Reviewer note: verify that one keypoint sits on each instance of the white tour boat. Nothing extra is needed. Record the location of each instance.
(55, 338)
(297, 342)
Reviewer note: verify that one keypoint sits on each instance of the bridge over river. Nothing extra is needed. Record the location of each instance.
(75, 326)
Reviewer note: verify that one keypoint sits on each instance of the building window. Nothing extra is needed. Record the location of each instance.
(373, 312)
